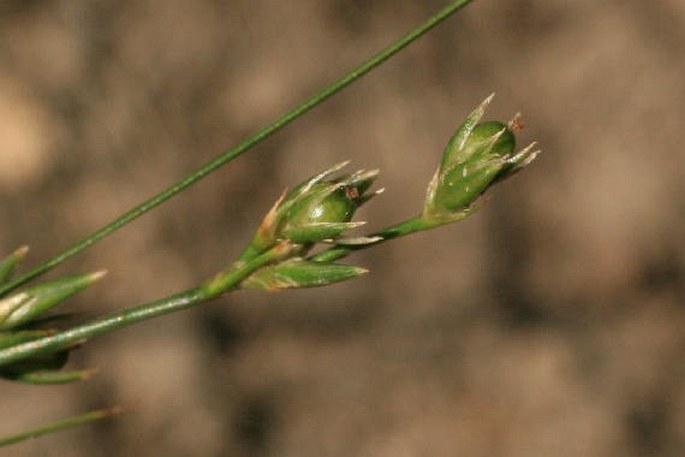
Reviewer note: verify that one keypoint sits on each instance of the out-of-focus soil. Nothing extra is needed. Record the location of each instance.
(552, 323)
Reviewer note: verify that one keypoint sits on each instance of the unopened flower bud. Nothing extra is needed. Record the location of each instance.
(10, 262)
(26, 305)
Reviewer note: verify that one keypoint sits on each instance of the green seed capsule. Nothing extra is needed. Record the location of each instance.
(478, 155)
(465, 183)
(321, 205)
(314, 211)
(482, 135)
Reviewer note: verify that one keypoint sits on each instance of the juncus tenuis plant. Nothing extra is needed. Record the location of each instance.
(297, 244)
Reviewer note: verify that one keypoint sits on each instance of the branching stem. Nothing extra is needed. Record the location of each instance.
(417, 224)
(232, 153)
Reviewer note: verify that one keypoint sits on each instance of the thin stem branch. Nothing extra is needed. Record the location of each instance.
(339, 251)
(414, 225)
(242, 147)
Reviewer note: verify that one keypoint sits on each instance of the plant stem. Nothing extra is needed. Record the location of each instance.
(338, 251)
(220, 284)
(242, 147)
(414, 225)
(60, 425)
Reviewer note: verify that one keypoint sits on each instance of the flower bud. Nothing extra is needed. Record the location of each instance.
(7, 265)
(24, 306)
(478, 155)
(300, 273)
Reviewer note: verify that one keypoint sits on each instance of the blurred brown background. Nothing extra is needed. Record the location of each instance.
(550, 324)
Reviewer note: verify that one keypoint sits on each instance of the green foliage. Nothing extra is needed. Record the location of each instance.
(31, 303)
(316, 213)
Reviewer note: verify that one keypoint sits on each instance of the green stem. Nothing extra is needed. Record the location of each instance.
(221, 283)
(242, 147)
(60, 425)
(338, 251)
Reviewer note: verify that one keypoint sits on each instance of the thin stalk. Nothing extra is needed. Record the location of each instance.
(242, 147)
(417, 224)
(414, 225)
(60, 425)
(220, 284)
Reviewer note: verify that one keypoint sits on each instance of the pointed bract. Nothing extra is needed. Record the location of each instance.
(458, 140)
(32, 302)
(10, 262)
(300, 273)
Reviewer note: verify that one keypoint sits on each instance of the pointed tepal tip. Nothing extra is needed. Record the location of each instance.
(323, 175)
(371, 174)
(21, 252)
(97, 275)
(495, 137)
(465, 129)
(115, 411)
(531, 156)
(88, 373)
(526, 153)
(337, 167)
(360, 177)
(109, 412)
(480, 109)
(359, 271)
(484, 104)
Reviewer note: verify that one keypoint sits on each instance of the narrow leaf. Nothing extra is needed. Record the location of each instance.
(63, 424)
(34, 301)
(10, 262)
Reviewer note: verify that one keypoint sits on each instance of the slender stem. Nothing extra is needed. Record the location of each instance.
(105, 324)
(242, 147)
(220, 284)
(338, 251)
(60, 425)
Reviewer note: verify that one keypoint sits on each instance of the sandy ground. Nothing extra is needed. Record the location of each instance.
(552, 323)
